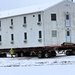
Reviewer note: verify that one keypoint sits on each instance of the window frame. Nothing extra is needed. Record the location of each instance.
(0, 23)
(25, 35)
(54, 33)
(39, 17)
(24, 19)
(53, 17)
(12, 37)
(67, 17)
(67, 20)
(11, 21)
(40, 34)
(0, 38)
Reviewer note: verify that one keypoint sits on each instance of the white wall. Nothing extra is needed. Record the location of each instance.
(33, 29)
(59, 25)
(18, 30)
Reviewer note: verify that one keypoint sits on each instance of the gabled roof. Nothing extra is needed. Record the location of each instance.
(26, 10)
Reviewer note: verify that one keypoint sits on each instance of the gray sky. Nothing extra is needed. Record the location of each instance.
(11, 4)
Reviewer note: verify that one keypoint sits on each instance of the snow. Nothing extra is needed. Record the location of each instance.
(60, 65)
(24, 10)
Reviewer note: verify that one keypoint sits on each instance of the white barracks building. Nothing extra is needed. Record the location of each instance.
(42, 25)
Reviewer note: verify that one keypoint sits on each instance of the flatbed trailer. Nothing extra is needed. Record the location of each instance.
(41, 52)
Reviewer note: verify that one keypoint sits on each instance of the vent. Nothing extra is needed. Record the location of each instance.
(25, 41)
(39, 23)
(40, 40)
(11, 27)
(12, 42)
(24, 25)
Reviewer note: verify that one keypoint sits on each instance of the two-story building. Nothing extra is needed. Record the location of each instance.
(38, 26)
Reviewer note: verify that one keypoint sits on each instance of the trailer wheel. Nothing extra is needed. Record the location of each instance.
(47, 54)
(16, 55)
(53, 53)
(22, 54)
(3, 55)
(27, 54)
(67, 53)
(73, 52)
(40, 54)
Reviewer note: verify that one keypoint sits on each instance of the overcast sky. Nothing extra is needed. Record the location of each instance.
(11, 4)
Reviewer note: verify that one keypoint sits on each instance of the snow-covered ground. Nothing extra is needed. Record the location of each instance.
(60, 65)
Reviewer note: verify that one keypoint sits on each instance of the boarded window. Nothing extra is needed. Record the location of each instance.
(54, 33)
(53, 17)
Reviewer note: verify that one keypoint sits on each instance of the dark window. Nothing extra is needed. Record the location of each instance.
(40, 34)
(0, 38)
(24, 20)
(25, 35)
(12, 37)
(0, 23)
(11, 21)
(53, 17)
(39, 17)
(68, 33)
(67, 17)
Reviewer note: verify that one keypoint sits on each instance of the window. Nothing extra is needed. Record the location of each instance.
(12, 37)
(68, 33)
(11, 21)
(24, 20)
(40, 34)
(39, 17)
(54, 33)
(68, 36)
(0, 23)
(0, 38)
(25, 36)
(67, 17)
(53, 17)
(67, 20)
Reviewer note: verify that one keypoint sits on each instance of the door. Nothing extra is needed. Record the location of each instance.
(68, 36)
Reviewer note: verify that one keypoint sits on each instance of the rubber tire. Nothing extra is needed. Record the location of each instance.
(53, 53)
(27, 54)
(73, 52)
(47, 54)
(22, 54)
(67, 53)
(40, 55)
(3, 55)
(18, 54)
